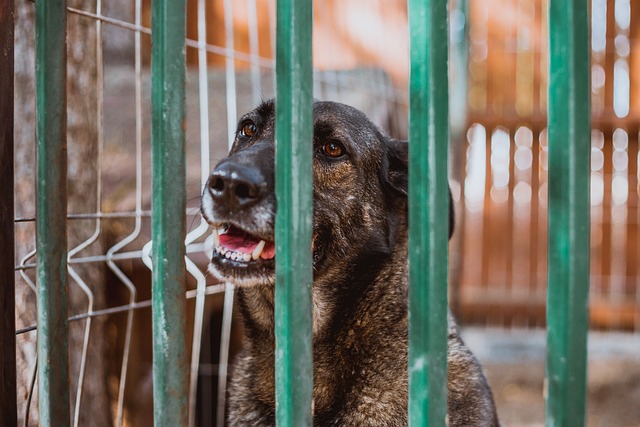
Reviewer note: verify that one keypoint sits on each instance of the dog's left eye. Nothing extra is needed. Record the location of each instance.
(249, 129)
(333, 149)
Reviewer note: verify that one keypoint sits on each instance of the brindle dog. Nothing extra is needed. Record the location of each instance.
(360, 275)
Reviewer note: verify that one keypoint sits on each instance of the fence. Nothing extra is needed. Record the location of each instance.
(568, 262)
(503, 167)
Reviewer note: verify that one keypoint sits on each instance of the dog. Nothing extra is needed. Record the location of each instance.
(360, 275)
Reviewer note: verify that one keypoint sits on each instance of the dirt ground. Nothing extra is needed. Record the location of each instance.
(514, 365)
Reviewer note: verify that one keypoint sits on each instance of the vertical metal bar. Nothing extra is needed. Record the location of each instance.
(201, 283)
(8, 407)
(254, 50)
(428, 212)
(223, 360)
(230, 72)
(168, 205)
(569, 149)
(138, 220)
(294, 277)
(51, 212)
(229, 290)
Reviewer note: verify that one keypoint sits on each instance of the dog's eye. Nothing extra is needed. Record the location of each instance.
(333, 149)
(249, 129)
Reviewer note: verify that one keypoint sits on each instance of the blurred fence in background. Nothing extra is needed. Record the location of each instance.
(504, 193)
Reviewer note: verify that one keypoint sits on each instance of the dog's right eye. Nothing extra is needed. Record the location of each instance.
(249, 129)
(333, 149)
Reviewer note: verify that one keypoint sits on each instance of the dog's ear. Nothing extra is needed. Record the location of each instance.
(452, 215)
(395, 171)
(396, 174)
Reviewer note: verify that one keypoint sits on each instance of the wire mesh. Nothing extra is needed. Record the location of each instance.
(501, 273)
(131, 244)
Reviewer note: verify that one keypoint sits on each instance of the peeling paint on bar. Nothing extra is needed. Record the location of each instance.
(294, 277)
(168, 222)
(51, 213)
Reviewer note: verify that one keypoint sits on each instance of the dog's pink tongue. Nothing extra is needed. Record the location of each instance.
(244, 244)
(237, 243)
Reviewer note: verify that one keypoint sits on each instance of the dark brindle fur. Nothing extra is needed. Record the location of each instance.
(360, 275)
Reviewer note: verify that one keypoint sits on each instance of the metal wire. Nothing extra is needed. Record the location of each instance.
(109, 215)
(72, 272)
(254, 44)
(32, 286)
(190, 294)
(137, 27)
(229, 289)
(130, 247)
(138, 222)
(223, 363)
(230, 72)
(203, 91)
(32, 386)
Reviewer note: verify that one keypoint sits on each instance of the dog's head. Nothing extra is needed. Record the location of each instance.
(359, 193)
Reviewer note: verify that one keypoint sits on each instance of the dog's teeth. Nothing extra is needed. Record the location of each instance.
(228, 255)
(246, 257)
(222, 230)
(258, 250)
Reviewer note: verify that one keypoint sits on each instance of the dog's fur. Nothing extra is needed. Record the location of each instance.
(360, 276)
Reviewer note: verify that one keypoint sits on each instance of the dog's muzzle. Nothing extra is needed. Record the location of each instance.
(238, 205)
(234, 187)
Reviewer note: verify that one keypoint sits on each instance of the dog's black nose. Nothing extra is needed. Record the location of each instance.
(235, 186)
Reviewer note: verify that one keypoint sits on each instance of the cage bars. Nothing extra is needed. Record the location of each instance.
(51, 211)
(8, 404)
(294, 277)
(428, 212)
(568, 253)
(568, 201)
(168, 204)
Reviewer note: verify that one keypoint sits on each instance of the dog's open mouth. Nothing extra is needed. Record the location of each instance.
(235, 244)
(245, 258)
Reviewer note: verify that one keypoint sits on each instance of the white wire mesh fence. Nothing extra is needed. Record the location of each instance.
(114, 310)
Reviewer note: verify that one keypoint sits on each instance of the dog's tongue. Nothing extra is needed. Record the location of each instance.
(238, 241)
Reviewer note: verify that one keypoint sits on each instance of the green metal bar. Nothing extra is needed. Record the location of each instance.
(168, 204)
(428, 212)
(51, 212)
(294, 277)
(569, 149)
(8, 407)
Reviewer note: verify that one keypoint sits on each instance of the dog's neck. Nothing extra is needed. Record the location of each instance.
(360, 286)
(371, 311)
(348, 289)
